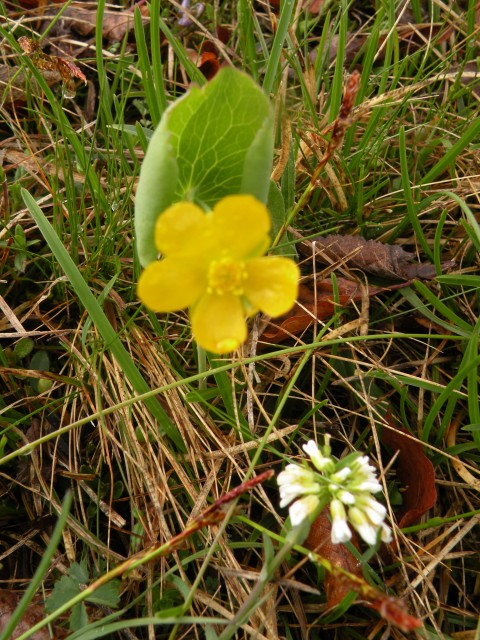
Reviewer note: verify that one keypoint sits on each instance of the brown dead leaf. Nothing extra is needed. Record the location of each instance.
(35, 4)
(274, 5)
(394, 611)
(45, 62)
(345, 575)
(382, 260)
(313, 6)
(11, 159)
(206, 60)
(310, 305)
(414, 471)
(33, 614)
(116, 24)
(319, 540)
(14, 83)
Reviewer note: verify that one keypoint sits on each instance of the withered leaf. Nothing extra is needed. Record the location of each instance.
(207, 60)
(414, 471)
(311, 305)
(313, 6)
(346, 575)
(116, 24)
(45, 62)
(394, 611)
(15, 82)
(33, 614)
(274, 5)
(383, 260)
(320, 540)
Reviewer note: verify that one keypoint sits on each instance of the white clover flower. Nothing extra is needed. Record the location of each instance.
(340, 529)
(346, 485)
(295, 481)
(302, 508)
(385, 533)
(346, 496)
(320, 461)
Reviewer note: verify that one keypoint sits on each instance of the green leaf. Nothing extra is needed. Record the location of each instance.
(107, 595)
(213, 142)
(155, 191)
(64, 590)
(258, 163)
(20, 238)
(40, 361)
(78, 617)
(20, 249)
(210, 633)
(471, 427)
(23, 348)
(173, 612)
(78, 572)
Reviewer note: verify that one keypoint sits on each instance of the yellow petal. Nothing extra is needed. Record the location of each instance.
(241, 225)
(180, 229)
(170, 285)
(218, 323)
(272, 284)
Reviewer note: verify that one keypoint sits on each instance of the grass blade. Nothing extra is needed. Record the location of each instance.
(86, 297)
(41, 570)
(272, 72)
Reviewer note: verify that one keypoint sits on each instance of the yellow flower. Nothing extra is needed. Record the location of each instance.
(214, 263)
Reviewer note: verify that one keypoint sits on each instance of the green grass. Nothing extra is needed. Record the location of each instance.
(141, 435)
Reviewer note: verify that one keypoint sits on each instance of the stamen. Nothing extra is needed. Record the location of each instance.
(226, 276)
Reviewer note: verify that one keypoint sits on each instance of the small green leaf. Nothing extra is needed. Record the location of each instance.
(173, 612)
(78, 572)
(471, 427)
(44, 384)
(20, 249)
(78, 617)
(64, 590)
(213, 142)
(20, 238)
(3, 442)
(118, 489)
(202, 395)
(23, 348)
(40, 361)
(107, 595)
(20, 261)
(269, 551)
(210, 633)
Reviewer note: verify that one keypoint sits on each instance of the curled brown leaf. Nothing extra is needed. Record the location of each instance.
(320, 540)
(319, 302)
(414, 471)
(383, 260)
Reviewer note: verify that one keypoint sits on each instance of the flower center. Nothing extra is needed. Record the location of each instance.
(226, 276)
